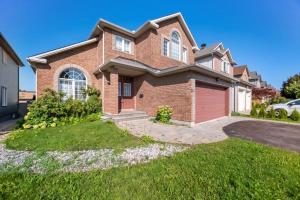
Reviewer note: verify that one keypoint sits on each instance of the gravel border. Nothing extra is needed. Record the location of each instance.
(82, 161)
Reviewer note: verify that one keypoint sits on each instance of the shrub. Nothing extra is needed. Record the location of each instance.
(262, 112)
(235, 114)
(253, 111)
(271, 113)
(282, 114)
(295, 115)
(164, 114)
(50, 110)
(278, 99)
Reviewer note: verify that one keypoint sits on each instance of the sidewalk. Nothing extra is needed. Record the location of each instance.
(7, 125)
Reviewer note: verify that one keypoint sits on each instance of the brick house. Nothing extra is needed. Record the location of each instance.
(140, 70)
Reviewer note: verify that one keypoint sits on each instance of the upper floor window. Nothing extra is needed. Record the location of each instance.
(4, 57)
(175, 45)
(122, 44)
(184, 55)
(225, 67)
(71, 82)
(166, 47)
(3, 96)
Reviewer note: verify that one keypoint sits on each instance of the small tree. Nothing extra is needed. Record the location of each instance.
(271, 113)
(291, 88)
(262, 112)
(253, 112)
(295, 115)
(282, 114)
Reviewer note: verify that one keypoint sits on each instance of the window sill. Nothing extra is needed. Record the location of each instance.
(123, 52)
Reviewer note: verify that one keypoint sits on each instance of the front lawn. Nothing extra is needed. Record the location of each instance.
(82, 136)
(232, 169)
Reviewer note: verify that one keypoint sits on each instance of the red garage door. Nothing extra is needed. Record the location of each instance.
(211, 102)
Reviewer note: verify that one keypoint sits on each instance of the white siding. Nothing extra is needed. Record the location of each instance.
(207, 62)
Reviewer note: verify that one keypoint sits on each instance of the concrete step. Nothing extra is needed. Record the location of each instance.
(126, 116)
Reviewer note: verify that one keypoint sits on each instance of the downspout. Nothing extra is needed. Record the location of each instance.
(18, 90)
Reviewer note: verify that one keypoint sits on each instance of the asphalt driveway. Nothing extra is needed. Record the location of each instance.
(277, 134)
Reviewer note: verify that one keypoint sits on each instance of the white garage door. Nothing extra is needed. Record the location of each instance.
(241, 100)
(248, 100)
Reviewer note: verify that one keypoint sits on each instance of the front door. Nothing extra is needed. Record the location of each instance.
(125, 93)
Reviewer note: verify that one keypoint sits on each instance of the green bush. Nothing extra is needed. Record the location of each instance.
(282, 114)
(262, 112)
(278, 99)
(253, 112)
(235, 114)
(271, 113)
(50, 110)
(295, 115)
(164, 114)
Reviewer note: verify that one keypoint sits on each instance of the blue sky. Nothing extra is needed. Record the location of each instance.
(264, 34)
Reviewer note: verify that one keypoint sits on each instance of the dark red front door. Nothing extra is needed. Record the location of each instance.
(126, 100)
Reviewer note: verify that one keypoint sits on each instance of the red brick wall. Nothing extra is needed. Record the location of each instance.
(110, 100)
(85, 57)
(217, 62)
(149, 45)
(173, 90)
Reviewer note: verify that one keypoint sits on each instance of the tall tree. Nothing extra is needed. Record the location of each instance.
(291, 88)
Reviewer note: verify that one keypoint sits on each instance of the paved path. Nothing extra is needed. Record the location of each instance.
(203, 133)
(277, 134)
(7, 125)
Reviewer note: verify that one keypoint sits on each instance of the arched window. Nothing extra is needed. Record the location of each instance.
(71, 83)
(175, 45)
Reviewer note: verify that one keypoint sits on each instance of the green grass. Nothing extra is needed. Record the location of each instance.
(288, 120)
(82, 136)
(232, 169)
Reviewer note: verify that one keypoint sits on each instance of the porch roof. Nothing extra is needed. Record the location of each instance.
(135, 68)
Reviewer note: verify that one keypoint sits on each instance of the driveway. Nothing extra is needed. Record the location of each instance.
(277, 134)
(204, 133)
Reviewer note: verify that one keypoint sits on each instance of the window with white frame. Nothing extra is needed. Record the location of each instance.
(122, 44)
(4, 57)
(225, 67)
(120, 89)
(3, 96)
(166, 47)
(175, 45)
(72, 82)
(184, 55)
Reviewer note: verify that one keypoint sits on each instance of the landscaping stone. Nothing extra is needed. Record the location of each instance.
(82, 161)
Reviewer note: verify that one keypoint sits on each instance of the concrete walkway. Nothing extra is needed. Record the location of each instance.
(203, 133)
(7, 125)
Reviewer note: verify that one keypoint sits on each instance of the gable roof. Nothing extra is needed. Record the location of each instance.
(254, 75)
(239, 70)
(215, 49)
(147, 25)
(41, 58)
(10, 51)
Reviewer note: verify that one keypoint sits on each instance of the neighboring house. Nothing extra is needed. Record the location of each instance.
(218, 58)
(141, 70)
(255, 79)
(9, 79)
(25, 96)
(243, 89)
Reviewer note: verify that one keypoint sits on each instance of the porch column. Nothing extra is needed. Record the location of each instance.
(111, 102)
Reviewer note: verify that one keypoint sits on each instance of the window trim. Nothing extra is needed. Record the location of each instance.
(73, 83)
(123, 39)
(226, 69)
(184, 50)
(179, 46)
(3, 98)
(168, 47)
